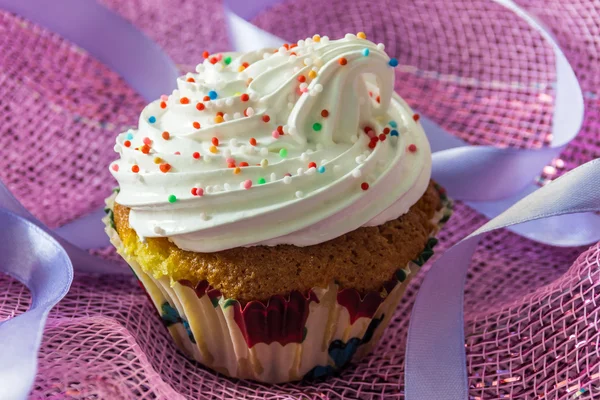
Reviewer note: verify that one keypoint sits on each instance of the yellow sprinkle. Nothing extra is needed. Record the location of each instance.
(237, 94)
(312, 74)
(317, 38)
(241, 68)
(264, 163)
(213, 149)
(158, 160)
(361, 35)
(218, 119)
(237, 170)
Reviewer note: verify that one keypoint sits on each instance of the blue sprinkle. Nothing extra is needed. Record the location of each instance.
(393, 124)
(365, 52)
(129, 136)
(152, 119)
(393, 62)
(212, 94)
(394, 133)
(321, 169)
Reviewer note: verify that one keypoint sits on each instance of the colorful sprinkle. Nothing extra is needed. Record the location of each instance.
(190, 79)
(264, 163)
(215, 141)
(200, 192)
(412, 148)
(165, 167)
(241, 68)
(416, 117)
(312, 164)
(196, 155)
(227, 60)
(312, 74)
(261, 181)
(129, 136)
(244, 164)
(245, 97)
(364, 186)
(275, 134)
(343, 61)
(237, 170)
(317, 126)
(213, 60)
(194, 191)
(393, 124)
(115, 167)
(283, 153)
(206, 98)
(147, 141)
(184, 100)
(172, 198)
(382, 137)
(266, 118)
(280, 129)
(247, 184)
(394, 132)
(212, 94)
(205, 54)
(127, 143)
(361, 35)
(324, 113)
(152, 119)
(135, 169)
(158, 160)
(316, 38)
(252, 141)
(145, 149)
(166, 135)
(163, 104)
(219, 119)
(301, 78)
(196, 124)
(386, 131)
(200, 106)
(212, 149)
(393, 62)
(365, 52)
(321, 169)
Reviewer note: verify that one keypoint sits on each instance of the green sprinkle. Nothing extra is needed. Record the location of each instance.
(227, 60)
(261, 181)
(317, 126)
(283, 153)
(172, 198)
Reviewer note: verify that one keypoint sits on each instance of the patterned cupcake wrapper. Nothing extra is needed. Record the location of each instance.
(310, 335)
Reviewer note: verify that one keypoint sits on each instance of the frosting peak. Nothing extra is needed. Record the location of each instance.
(296, 145)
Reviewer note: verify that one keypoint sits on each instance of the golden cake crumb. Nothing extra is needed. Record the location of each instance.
(363, 259)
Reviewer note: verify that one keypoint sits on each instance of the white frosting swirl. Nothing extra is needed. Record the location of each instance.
(303, 187)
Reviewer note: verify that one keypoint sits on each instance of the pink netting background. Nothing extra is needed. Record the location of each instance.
(479, 71)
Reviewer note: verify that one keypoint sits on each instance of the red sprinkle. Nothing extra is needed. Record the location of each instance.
(245, 65)
(386, 131)
(243, 164)
(301, 78)
(206, 98)
(195, 191)
(145, 149)
(215, 141)
(177, 153)
(382, 137)
(205, 54)
(280, 129)
(343, 61)
(200, 106)
(378, 99)
(231, 165)
(366, 129)
(412, 148)
(115, 167)
(253, 141)
(213, 60)
(364, 186)
(184, 100)
(127, 143)
(220, 113)
(372, 144)
(416, 117)
(165, 167)
(324, 113)
(245, 97)
(196, 155)
(135, 169)
(312, 164)
(166, 135)
(196, 124)
(266, 118)
(147, 141)
(163, 104)
(190, 79)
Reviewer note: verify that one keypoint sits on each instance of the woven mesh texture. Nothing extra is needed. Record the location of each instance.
(476, 69)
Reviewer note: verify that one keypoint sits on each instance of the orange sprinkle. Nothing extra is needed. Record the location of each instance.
(163, 104)
(196, 124)
(145, 149)
(343, 61)
(253, 141)
(213, 149)
(218, 119)
(200, 106)
(237, 170)
(206, 98)
(317, 38)
(190, 79)
(312, 74)
(166, 135)
(184, 100)
(135, 169)
(165, 167)
(241, 68)
(361, 35)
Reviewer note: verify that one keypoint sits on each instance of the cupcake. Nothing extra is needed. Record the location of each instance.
(275, 206)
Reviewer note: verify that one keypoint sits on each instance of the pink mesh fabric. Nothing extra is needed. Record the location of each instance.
(480, 72)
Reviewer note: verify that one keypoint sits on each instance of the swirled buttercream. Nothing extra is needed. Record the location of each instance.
(296, 145)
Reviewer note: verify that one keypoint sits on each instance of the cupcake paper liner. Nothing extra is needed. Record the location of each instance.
(301, 335)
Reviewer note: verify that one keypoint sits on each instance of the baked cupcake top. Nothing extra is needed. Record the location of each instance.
(297, 145)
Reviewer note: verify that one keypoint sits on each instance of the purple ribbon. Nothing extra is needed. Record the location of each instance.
(435, 365)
